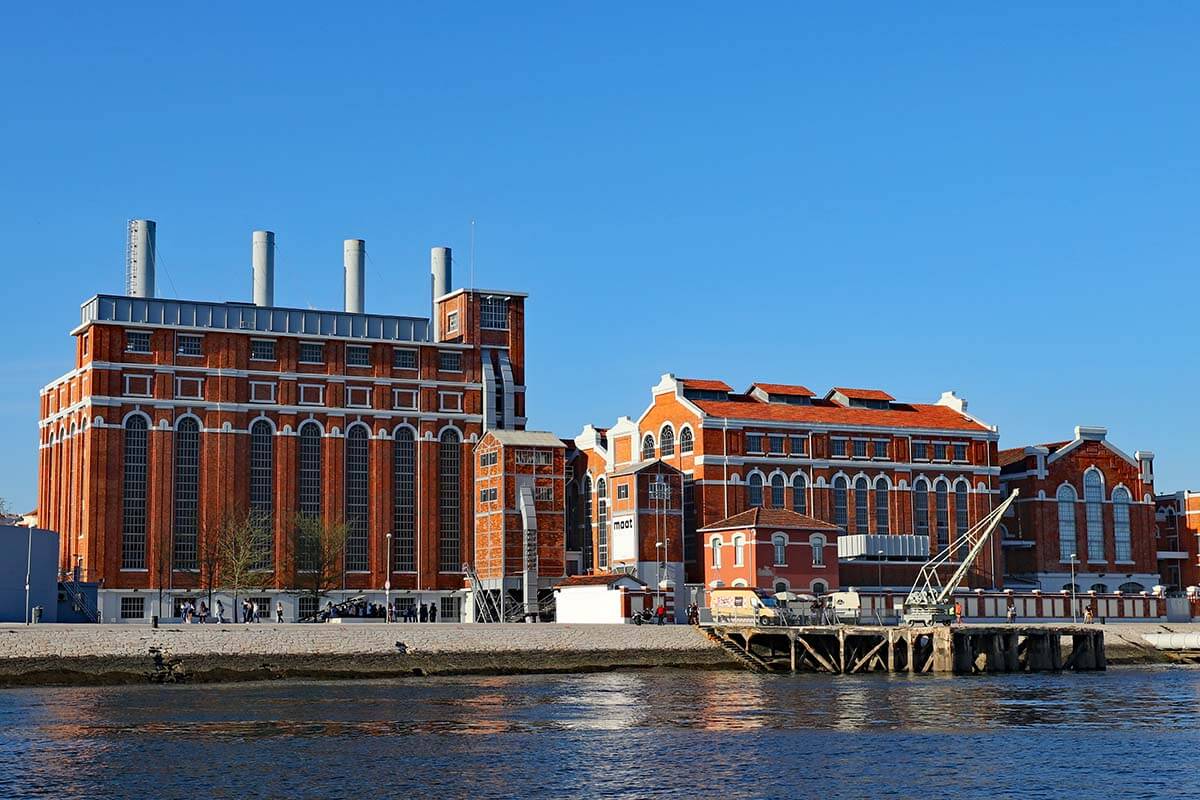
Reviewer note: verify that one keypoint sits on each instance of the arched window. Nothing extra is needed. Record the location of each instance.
(716, 551)
(777, 491)
(647, 447)
(587, 525)
(1066, 523)
(840, 513)
(819, 587)
(1099, 588)
(779, 542)
(685, 440)
(739, 550)
(941, 499)
(920, 502)
(187, 494)
(357, 499)
(449, 501)
(961, 517)
(666, 442)
(754, 486)
(1124, 546)
(602, 524)
(133, 495)
(1093, 498)
(1131, 587)
(799, 494)
(780, 586)
(404, 501)
(861, 504)
(881, 505)
(817, 541)
(262, 490)
(309, 466)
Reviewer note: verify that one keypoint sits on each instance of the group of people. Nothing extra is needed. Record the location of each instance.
(189, 612)
(414, 612)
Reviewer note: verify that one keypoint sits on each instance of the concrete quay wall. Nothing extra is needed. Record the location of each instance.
(109, 654)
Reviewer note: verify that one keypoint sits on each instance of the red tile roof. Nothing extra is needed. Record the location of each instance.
(701, 383)
(1012, 455)
(784, 388)
(863, 394)
(828, 413)
(770, 518)
(595, 580)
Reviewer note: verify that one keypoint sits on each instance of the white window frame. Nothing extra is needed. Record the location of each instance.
(411, 406)
(274, 350)
(779, 543)
(149, 379)
(803, 441)
(457, 353)
(452, 322)
(351, 401)
(357, 348)
(300, 354)
(416, 357)
(543, 494)
(954, 452)
(923, 444)
(184, 380)
(623, 491)
(255, 385)
(179, 337)
(300, 392)
(739, 550)
(716, 545)
(771, 450)
(149, 342)
(755, 435)
(887, 446)
(833, 441)
(489, 321)
(456, 408)
(818, 549)
(866, 448)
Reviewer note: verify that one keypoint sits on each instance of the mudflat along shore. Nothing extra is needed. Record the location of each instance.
(124, 654)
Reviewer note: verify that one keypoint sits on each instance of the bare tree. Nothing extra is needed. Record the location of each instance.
(241, 540)
(320, 549)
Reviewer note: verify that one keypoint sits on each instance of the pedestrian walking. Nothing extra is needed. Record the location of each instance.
(432, 612)
(661, 613)
(958, 612)
(220, 610)
(203, 612)
(254, 610)
(278, 611)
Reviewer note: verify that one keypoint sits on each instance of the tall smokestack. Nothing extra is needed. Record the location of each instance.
(139, 258)
(355, 252)
(262, 244)
(439, 268)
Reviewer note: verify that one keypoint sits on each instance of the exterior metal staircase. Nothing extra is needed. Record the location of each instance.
(80, 601)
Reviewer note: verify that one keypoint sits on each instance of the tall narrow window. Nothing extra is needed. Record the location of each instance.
(962, 519)
(739, 550)
(716, 551)
(778, 487)
(586, 524)
(881, 506)
(262, 490)
(602, 524)
(818, 549)
(647, 447)
(449, 494)
(357, 499)
(1124, 548)
(799, 494)
(1093, 497)
(308, 484)
(187, 493)
(404, 538)
(666, 442)
(754, 488)
(1066, 523)
(941, 495)
(133, 500)
(685, 441)
(920, 502)
(861, 505)
(779, 544)
(840, 512)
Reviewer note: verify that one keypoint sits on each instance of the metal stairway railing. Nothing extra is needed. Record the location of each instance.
(80, 601)
(486, 607)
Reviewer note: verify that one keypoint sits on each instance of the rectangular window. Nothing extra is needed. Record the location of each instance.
(138, 385)
(493, 313)
(449, 609)
(524, 458)
(187, 344)
(262, 349)
(837, 448)
(306, 605)
(312, 353)
(449, 401)
(879, 449)
(623, 491)
(449, 361)
(404, 399)
(543, 494)
(404, 358)
(312, 394)
(358, 396)
(543, 458)
(85, 344)
(860, 448)
(133, 607)
(960, 451)
(775, 443)
(189, 388)
(488, 459)
(939, 451)
(799, 445)
(754, 442)
(264, 609)
(261, 392)
(920, 451)
(452, 322)
(488, 495)
(358, 355)
(137, 342)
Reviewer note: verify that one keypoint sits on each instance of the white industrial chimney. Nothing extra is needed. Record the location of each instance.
(439, 268)
(354, 258)
(139, 258)
(262, 245)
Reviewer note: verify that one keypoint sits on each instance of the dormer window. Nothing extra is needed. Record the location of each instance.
(704, 394)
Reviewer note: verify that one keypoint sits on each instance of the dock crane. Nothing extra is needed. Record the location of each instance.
(930, 602)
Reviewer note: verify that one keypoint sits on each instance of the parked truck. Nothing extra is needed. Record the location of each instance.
(742, 605)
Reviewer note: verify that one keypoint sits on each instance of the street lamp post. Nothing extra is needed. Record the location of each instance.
(880, 554)
(387, 583)
(1073, 588)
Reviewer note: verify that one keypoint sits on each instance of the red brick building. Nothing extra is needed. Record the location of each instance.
(773, 549)
(1177, 523)
(179, 412)
(1085, 504)
(902, 478)
(520, 518)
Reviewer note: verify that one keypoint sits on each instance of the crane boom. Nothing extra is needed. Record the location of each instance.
(929, 600)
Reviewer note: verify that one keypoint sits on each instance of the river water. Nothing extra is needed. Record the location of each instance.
(653, 733)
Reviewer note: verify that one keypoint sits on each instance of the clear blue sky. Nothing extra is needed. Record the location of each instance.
(999, 201)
